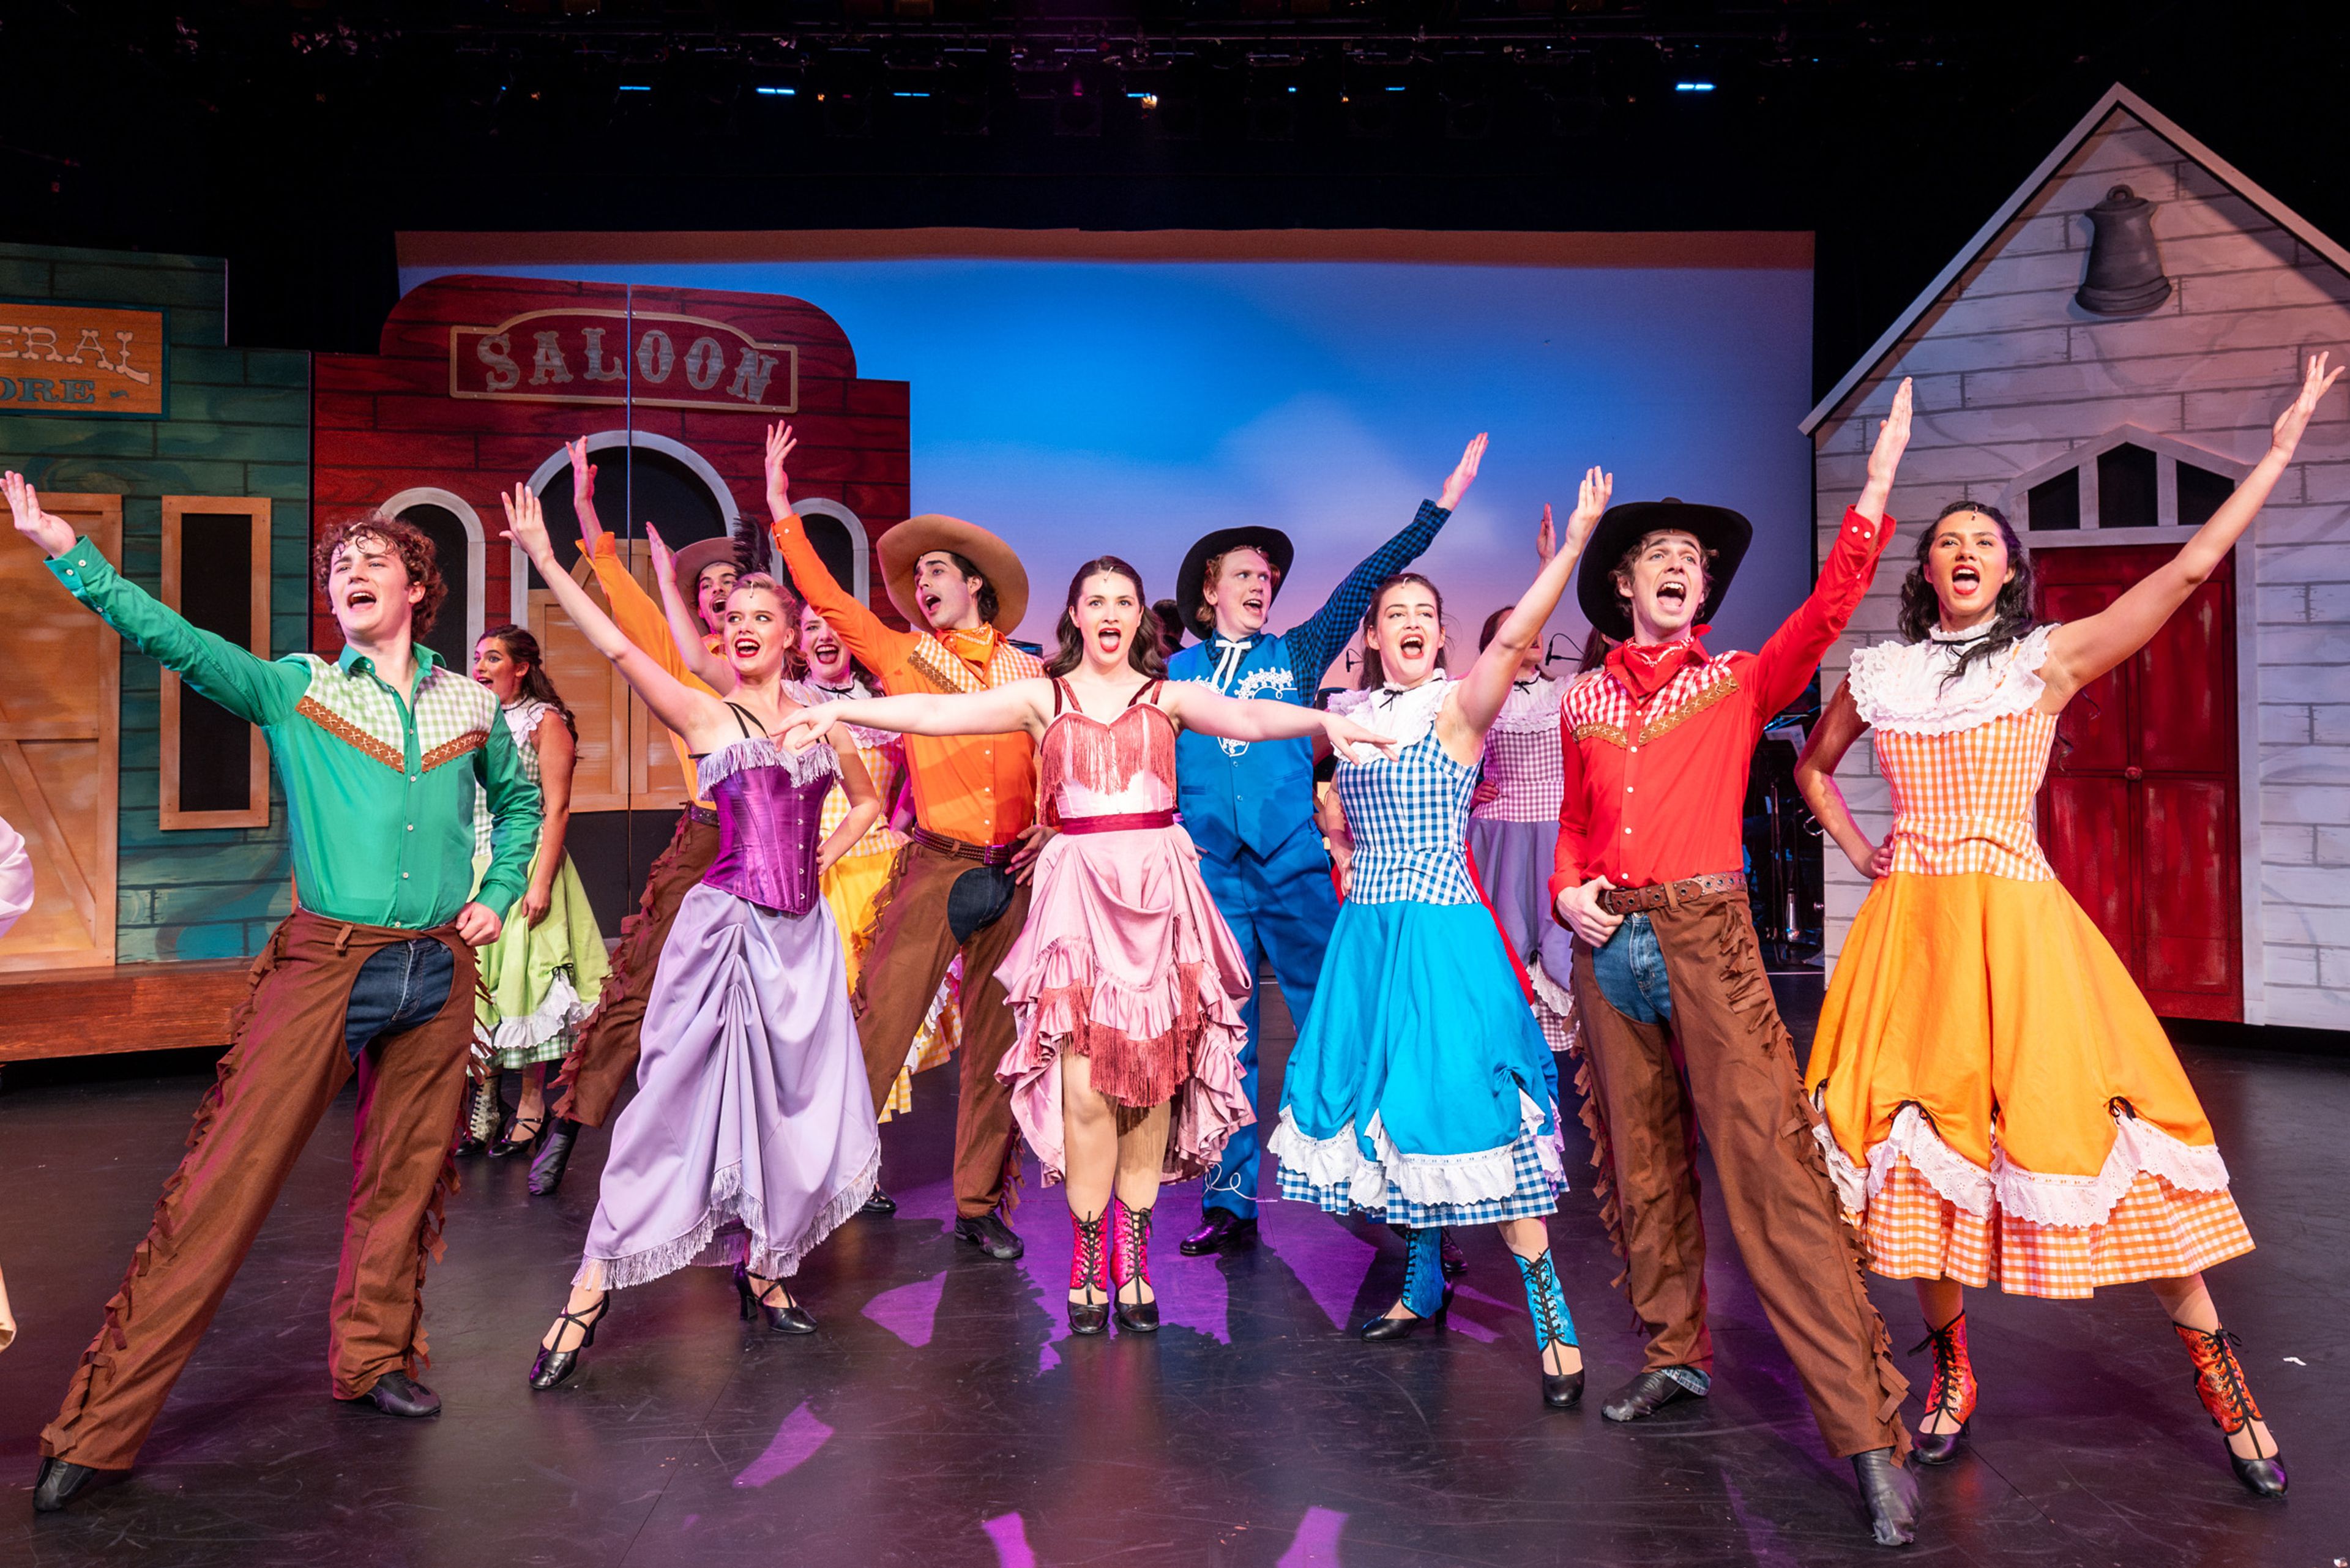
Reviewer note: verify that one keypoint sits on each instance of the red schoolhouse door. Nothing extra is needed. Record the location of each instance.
(2140, 809)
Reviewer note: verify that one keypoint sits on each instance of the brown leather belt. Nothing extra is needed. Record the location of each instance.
(985, 854)
(1665, 895)
(1118, 821)
(705, 814)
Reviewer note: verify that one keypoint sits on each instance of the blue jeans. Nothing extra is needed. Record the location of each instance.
(1629, 969)
(398, 987)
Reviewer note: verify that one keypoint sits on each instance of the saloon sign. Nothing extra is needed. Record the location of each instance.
(80, 359)
(621, 356)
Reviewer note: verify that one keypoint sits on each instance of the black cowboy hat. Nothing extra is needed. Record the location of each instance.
(1189, 581)
(1722, 533)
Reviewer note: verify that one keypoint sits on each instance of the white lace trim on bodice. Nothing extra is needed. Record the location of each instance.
(1402, 715)
(758, 752)
(1529, 707)
(1898, 686)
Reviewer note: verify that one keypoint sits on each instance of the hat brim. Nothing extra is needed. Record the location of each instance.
(688, 563)
(1724, 533)
(1191, 588)
(901, 546)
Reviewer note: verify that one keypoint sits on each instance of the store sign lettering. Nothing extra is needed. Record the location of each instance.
(614, 357)
(80, 359)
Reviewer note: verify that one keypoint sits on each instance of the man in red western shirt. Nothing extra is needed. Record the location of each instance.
(1649, 877)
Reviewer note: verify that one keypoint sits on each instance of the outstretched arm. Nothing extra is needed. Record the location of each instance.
(673, 703)
(1786, 662)
(1312, 645)
(1017, 705)
(1210, 711)
(1840, 725)
(882, 646)
(2081, 650)
(253, 688)
(1487, 686)
(684, 624)
(634, 611)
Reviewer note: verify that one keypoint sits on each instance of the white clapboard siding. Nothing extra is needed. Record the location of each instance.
(2012, 375)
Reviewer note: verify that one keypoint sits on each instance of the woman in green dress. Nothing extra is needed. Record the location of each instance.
(544, 971)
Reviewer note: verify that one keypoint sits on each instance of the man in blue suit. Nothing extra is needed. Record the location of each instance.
(1248, 807)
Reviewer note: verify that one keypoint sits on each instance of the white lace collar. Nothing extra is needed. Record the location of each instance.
(1531, 706)
(1400, 714)
(1900, 686)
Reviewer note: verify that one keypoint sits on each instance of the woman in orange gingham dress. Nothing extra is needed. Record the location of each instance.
(2000, 1105)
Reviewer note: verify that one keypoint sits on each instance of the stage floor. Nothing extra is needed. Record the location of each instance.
(945, 1416)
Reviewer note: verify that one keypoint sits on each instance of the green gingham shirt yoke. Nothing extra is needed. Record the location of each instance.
(380, 786)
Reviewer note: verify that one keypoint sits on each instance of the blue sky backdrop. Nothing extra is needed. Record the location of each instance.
(1077, 406)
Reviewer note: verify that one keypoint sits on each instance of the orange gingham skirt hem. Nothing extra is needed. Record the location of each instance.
(2155, 1231)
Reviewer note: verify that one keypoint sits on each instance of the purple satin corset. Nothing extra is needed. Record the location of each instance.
(768, 830)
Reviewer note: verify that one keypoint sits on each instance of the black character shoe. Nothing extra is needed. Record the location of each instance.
(1221, 1230)
(991, 1235)
(554, 1367)
(1563, 1391)
(516, 1140)
(786, 1316)
(554, 1157)
(398, 1393)
(1380, 1330)
(1644, 1397)
(61, 1480)
(1890, 1493)
(880, 1204)
(1455, 1264)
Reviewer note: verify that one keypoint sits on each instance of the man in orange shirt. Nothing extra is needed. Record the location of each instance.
(963, 885)
(604, 1056)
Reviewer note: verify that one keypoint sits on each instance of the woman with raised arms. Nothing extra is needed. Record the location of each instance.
(1126, 982)
(751, 1137)
(2001, 1104)
(1422, 1092)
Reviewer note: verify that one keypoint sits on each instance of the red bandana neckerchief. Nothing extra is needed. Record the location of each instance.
(1645, 669)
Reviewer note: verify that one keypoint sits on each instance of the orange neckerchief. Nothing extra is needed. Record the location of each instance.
(975, 646)
(1645, 669)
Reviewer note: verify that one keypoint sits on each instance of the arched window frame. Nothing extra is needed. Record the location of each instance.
(476, 546)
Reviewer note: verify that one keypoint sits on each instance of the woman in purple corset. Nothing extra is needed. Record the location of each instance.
(751, 1135)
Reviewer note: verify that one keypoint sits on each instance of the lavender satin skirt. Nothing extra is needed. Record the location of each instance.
(751, 1135)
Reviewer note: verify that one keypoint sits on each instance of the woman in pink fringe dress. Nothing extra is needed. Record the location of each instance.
(1127, 982)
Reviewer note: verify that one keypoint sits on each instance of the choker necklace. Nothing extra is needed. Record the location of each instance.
(1952, 638)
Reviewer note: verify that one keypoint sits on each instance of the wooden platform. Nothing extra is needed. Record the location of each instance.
(129, 1007)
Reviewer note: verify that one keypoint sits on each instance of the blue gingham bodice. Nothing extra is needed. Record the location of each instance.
(1409, 816)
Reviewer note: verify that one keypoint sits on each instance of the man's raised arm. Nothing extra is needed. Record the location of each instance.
(882, 645)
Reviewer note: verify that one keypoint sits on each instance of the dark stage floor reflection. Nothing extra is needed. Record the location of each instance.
(945, 1416)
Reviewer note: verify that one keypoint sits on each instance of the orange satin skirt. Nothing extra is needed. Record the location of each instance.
(2002, 1105)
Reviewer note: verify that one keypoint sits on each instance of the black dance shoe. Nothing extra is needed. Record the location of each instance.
(1563, 1391)
(512, 1141)
(790, 1318)
(1221, 1230)
(60, 1482)
(1644, 1397)
(398, 1393)
(1890, 1494)
(554, 1157)
(1455, 1264)
(881, 1205)
(553, 1367)
(992, 1236)
(1381, 1329)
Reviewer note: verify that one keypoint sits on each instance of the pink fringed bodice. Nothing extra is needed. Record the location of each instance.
(1093, 769)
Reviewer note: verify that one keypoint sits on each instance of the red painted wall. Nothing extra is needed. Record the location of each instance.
(387, 422)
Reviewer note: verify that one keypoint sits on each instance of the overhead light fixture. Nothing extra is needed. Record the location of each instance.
(635, 86)
(776, 91)
(1692, 87)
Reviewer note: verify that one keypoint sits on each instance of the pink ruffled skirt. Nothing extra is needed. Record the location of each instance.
(1125, 963)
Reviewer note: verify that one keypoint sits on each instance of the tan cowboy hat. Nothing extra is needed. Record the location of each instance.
(689, 561)
(909, 541)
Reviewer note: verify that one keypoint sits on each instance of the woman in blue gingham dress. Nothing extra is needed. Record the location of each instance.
(1422, 1092)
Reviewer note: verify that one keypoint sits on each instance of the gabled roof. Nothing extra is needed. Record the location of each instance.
(2118, 99)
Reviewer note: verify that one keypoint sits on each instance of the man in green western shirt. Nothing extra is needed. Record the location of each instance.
(381, 751)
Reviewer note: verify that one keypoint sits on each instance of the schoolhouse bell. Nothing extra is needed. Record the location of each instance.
(2124, 274)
